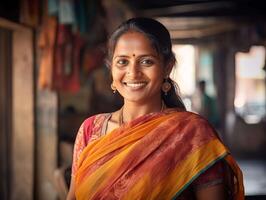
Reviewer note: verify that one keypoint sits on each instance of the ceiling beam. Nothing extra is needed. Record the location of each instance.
(188, 8)
(203, 32)
(174, 23)
(197, 27)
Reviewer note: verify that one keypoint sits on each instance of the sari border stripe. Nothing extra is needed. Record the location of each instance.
(199, 173)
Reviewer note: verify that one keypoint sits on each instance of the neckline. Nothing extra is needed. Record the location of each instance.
(105, 124)
(109, 116)
(121, 114)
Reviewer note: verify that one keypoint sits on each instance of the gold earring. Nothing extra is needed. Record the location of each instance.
(113, 88)
(166, 86)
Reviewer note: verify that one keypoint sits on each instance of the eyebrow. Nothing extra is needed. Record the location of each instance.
(144, 55)
(121, 56)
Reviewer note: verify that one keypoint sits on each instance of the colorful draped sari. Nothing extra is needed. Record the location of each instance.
(156, 156)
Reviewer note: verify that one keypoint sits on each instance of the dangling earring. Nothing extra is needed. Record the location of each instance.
(166, 86)
(113, 88)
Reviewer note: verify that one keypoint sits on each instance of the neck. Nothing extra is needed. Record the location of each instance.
(131, 111)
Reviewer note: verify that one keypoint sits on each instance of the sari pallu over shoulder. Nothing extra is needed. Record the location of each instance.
(156, 156)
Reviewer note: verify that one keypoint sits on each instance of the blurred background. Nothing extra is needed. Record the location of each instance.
(53, 76)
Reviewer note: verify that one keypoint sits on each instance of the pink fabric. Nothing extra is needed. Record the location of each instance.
(82, 139)
(89, 131)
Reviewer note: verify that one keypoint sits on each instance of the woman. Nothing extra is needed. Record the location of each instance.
(151, 148)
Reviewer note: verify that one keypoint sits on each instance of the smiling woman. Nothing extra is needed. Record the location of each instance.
(151, 148)
(138, 72)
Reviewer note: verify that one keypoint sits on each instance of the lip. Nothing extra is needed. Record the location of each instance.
(135, 85)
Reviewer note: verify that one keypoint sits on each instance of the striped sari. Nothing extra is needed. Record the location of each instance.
(156, 156)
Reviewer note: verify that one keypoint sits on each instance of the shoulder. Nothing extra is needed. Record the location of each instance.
(190, 120)
(94, 119)
(197, 119)
(188, 116)
(92, 125)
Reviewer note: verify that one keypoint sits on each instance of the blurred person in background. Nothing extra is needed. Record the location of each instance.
(208, 107)
(151, 148)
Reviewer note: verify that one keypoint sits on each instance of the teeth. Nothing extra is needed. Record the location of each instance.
(135, 85)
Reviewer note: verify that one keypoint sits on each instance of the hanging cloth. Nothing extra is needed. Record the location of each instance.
(46, 43)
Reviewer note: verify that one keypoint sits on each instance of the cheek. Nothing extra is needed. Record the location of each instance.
(113, 72)
(157, 75)
(116, 75)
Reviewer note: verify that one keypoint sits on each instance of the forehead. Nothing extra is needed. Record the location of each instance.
(134, 42)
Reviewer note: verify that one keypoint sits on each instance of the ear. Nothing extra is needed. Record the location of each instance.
(168, 68)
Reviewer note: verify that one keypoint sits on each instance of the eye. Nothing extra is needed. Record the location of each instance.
(147, 62)
(121, 62)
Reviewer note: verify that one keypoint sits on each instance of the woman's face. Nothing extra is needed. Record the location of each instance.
(137, 69)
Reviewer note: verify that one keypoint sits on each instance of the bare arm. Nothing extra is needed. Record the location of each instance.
(216, 192)
(71, 192)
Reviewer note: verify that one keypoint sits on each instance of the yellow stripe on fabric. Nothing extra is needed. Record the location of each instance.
(183, 173)
(203, 157)
(100, 177)
(139, 191)
(198, 174)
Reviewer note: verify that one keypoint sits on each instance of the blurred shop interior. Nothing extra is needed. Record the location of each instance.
(53, 76)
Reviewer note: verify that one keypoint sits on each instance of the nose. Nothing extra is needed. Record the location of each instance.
(133, 70)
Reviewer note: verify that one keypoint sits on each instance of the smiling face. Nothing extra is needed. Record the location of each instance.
(137, 69)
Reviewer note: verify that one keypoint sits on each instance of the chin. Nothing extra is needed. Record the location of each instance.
(135, 99)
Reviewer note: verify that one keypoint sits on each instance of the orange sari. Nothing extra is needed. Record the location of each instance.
(156, 156)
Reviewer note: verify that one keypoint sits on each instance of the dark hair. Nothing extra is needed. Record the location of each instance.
(161, 41)
(203, 82)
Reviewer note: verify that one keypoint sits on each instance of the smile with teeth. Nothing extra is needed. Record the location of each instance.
(135, 85)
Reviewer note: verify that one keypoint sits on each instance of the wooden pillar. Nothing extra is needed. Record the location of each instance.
(46, 145)
(22, 152)
(5, 111)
